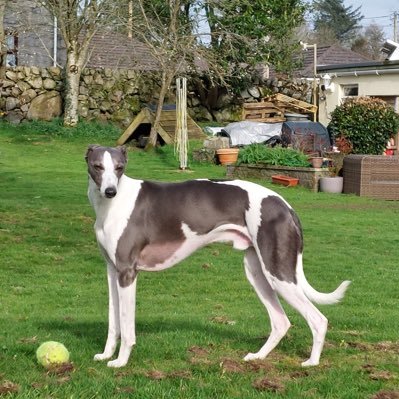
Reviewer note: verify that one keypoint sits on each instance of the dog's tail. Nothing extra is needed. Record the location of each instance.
(319, 297)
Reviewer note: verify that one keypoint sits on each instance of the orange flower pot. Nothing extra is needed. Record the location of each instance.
(285, 180)
(227, 156)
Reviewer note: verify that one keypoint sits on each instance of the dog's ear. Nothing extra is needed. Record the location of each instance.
(90, 148)
(123, 151)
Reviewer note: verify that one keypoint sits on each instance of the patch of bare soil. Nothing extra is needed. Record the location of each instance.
(155, 375)
(61, 370)
(199, 355)
(386, 395)
(198, 351)
(377, 375)
(8, 387)
(266, 384)
(233, 366)
(387, 346)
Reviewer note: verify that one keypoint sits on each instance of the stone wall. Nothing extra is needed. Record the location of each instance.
(103, 94)
(118, 95)
(308, 177)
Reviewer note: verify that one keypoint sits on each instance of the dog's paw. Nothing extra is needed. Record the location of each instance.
(309, 363)
(251, 356)
(101, 356)
(116, 363)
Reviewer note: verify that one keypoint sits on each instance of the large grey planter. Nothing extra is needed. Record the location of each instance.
(331, 184)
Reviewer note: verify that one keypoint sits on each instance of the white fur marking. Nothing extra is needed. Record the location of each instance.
(109, 178)
(113, 215)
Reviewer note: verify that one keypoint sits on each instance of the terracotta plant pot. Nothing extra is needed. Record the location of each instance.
(285, 180)
(227, 156)
(317, 162)
(331, 184)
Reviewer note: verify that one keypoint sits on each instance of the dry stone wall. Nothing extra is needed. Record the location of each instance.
(36, 93)
(118, 95)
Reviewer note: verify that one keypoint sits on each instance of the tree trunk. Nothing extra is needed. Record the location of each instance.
(3, 48)
(72, 79)
(166, 81)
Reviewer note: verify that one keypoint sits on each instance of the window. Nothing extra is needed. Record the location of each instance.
(12, 48)
(350, 90)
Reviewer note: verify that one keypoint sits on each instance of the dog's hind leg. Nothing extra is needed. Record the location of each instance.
(278, 319)
(317, 322)
(113, 315)
(127, 313)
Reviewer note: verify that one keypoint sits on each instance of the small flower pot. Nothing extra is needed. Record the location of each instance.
(227, 156)
(331, 184)
(317, 162)
(285, 180)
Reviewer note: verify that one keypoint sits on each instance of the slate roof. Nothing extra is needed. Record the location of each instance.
(329, 55)
(114, 50)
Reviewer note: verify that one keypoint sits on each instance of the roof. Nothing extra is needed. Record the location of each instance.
(329, 55)
(114, 50)
(370, 65)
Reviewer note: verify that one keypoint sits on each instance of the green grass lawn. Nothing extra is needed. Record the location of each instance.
(196, 321)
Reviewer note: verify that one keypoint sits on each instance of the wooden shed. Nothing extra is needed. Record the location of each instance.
(145, 118)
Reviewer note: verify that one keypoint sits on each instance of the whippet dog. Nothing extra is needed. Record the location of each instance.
(150, 226)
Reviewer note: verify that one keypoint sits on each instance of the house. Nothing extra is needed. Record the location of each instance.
(326, 55)
(373, 79)
(342, 73)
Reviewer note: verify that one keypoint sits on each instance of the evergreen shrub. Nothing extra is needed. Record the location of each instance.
(366, 123)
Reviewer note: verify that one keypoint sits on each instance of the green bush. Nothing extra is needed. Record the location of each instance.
(259, 153)
(367, 123)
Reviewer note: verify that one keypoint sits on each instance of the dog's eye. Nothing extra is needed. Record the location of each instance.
(119, 168)
(98, 167)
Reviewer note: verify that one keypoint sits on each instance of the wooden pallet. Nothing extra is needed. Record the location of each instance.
(290, 104)
(167, 126)
(264, 111)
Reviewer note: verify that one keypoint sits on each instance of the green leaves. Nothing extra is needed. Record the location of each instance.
(368, 123)
(259, 153)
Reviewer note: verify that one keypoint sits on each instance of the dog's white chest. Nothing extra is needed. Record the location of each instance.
(112, 215)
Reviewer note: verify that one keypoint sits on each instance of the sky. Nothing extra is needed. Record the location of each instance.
(377, 11)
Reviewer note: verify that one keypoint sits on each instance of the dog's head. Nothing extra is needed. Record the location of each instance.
(106, 165)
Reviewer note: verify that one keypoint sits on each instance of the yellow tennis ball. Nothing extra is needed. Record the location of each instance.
(52, 353)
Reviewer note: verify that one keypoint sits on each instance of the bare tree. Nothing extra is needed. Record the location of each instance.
(239, 35)
(78, 21)
(168, 36)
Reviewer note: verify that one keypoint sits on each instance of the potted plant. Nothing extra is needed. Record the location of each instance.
(317, 162)
(335, 182)
(227, 156)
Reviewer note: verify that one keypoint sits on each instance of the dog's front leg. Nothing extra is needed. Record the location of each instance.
(127, 312)
(113, 315)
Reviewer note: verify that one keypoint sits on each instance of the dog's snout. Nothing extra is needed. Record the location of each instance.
(110, 192)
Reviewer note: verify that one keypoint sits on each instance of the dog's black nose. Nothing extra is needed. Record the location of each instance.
(110, 192)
